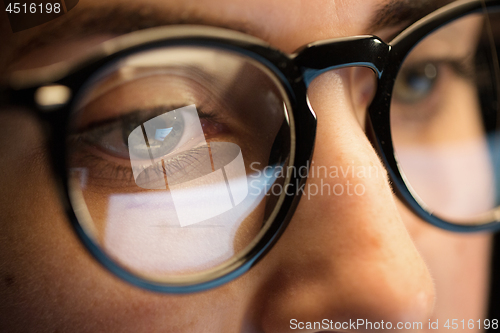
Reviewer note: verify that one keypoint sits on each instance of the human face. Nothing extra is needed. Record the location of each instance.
(341, 257)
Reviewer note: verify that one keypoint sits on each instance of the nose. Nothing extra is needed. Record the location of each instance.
(346, 255)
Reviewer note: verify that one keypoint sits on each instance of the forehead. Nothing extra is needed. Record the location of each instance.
(285, 24)
(298, 20)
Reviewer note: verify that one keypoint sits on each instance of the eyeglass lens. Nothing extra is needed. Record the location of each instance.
(172, 154)
(445, 124)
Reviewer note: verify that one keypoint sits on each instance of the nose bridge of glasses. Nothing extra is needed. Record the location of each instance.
(319, 57)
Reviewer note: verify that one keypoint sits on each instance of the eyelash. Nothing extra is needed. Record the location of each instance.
(463, 68)
(459, 68)
(102, 168)
(137, 116)
(112, 168)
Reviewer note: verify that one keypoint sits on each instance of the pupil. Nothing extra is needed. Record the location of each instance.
(416, 83)
(165, 133)
(420, 84)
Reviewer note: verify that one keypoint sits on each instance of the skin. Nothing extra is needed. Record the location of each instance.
(341, 257)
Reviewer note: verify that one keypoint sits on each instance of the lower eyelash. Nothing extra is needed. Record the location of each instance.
(103, 172)
(177, 166)
(101, 168)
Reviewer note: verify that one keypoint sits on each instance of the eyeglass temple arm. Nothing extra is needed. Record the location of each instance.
(320, 57)
(20, 88)
(10, 97)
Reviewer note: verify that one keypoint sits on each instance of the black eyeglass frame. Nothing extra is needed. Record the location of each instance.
(294, 72)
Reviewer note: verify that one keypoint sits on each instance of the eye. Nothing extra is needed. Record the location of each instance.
(166, 133)
(159, 136)
(415, 83)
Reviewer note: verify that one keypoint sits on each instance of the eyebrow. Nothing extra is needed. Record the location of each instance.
(403, 13)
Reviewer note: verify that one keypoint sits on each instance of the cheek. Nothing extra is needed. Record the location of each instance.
(47, 279)
(38, 251)
(459, 265)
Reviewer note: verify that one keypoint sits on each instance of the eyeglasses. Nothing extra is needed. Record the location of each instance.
(182, 152)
